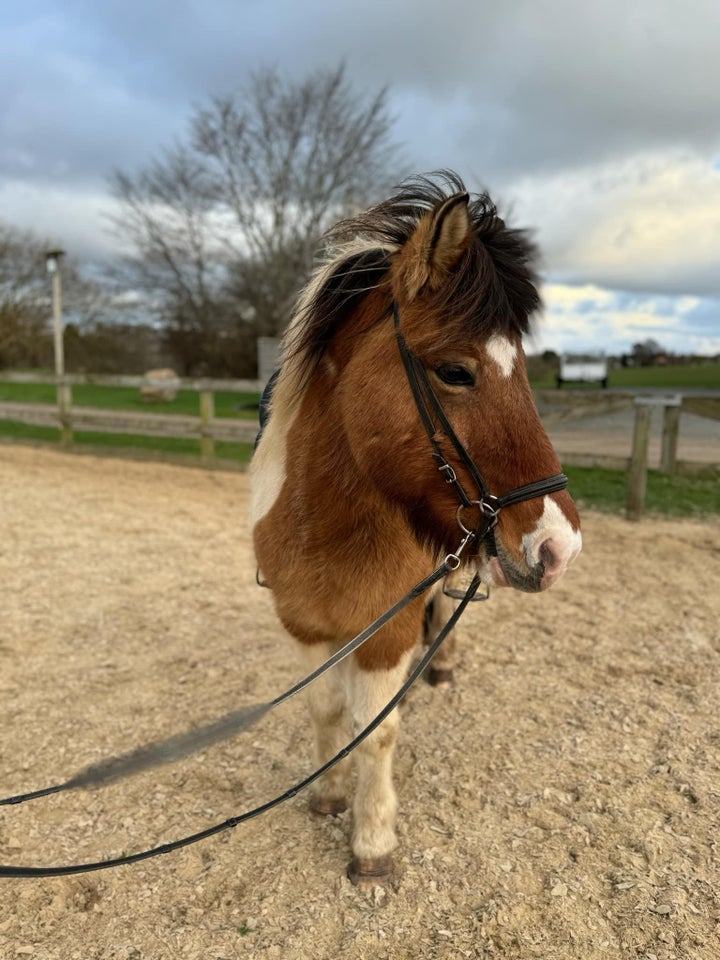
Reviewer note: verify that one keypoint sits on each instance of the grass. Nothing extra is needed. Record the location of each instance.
(704, 376)
(227, 403)
(184, 446)
(667, 496)
(592, 487)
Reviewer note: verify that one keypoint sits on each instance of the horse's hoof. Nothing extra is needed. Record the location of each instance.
(325, 807)
(370, 872)
(439, 678)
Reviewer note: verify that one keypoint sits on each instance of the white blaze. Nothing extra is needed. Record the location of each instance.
(503, 352)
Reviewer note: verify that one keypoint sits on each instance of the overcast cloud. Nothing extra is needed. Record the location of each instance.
(598, 124)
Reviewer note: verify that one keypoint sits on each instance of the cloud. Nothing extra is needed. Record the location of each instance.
(596, 123)
(73, 110)
(648, 222)
(507, 90)
(592, 318)
(74, 218)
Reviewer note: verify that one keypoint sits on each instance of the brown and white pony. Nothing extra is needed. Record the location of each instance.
(348, 509)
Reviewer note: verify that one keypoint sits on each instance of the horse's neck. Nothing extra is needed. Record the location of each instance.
(331, 479)
(347, 510)
(334, 550)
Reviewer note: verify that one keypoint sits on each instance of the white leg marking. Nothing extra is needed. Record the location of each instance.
(327, 699)
(375, 803)
(503, 352)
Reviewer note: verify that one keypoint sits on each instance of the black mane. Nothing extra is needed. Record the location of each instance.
(492, 290)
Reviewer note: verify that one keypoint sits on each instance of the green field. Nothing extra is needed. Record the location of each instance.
(228, 404)
(129, 442)
(701, 376)
(187, 402)
(667, 496)
(705, 376)
(591, 487)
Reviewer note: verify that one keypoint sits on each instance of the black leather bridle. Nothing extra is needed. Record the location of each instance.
(436, 424)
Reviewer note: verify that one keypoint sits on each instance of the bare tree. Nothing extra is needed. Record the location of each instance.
(25, 298)
(164, 219)
(22, 317)
(223, 228)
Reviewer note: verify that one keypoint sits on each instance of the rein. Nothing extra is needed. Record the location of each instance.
(181, 745)
(174, 748)
(417, 671)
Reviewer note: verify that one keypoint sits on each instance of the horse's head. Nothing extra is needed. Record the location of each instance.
(464, 288)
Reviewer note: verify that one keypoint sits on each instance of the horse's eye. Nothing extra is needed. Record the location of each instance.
(455, 375)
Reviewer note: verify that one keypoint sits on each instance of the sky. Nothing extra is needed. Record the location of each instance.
(596, 125)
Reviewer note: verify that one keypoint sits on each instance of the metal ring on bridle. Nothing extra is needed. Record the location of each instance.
(486, 509)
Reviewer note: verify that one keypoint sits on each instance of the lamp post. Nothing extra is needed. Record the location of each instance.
(52, 261)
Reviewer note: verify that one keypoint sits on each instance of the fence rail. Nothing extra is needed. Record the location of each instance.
(576, 405)
(194, 384)
(69, 418)
(560, 406)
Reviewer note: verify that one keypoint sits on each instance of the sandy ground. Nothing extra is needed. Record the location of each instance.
(561, 802)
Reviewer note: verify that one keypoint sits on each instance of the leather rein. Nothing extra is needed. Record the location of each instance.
(488, 506)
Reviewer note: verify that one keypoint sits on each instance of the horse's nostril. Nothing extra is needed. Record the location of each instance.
(549, 556)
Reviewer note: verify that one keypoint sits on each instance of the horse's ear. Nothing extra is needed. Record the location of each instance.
(437, 244)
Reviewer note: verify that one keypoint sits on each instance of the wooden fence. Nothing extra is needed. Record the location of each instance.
(207, 428)
(69, 418)
(576, 405)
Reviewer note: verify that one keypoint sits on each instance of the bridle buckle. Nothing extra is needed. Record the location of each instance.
(448, 472)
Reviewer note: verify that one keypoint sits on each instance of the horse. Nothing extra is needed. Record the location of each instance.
(356, 490)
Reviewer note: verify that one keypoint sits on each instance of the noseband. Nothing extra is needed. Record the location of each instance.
(431, 412)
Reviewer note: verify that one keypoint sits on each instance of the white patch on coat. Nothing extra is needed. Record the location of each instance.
(267, 467)
(327, 697)
(503, 352)
(553, 525)
(266, 482)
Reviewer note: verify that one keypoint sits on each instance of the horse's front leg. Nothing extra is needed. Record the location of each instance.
(375, 804)
(438, 611)
(326, 698)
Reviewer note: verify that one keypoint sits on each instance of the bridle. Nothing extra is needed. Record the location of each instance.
(436, 424)
(488, 506)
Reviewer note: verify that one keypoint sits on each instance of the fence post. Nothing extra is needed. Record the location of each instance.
(207, 413)
(637, 474)
(64, 402)
(670, 430)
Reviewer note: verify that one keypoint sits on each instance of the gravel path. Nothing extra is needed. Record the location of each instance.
(561, 802)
